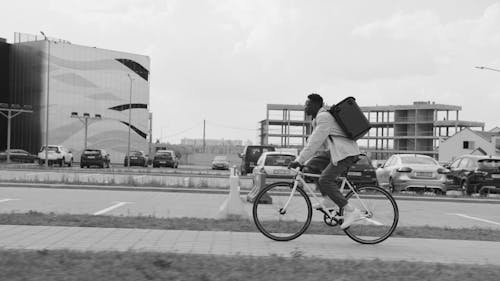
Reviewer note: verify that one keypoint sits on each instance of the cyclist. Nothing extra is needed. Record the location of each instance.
(328, 138)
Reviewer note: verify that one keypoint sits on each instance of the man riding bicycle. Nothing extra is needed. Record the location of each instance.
(328, 138)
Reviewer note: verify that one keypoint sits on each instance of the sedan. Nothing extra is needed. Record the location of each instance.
(275, 165)
(18, 155)
(475, 174)
(137, 158)
(220, 163)
(412, 172)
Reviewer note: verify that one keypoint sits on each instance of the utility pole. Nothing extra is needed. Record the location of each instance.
(47, 103)
(129, 118)
(204, 144)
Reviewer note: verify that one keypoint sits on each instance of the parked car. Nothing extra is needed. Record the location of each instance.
(475, 174)
(18, 155)
(94, 157)
(56, 154)
(165, 158)
(220, 163)
(412, 172)
(362, 173)
(275, 164)
(137, 158)
(250, 155)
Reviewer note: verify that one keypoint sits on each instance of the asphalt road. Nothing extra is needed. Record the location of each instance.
(205, 205)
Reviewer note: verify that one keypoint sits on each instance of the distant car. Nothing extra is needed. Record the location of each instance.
(220, 163)
(94, 157)
(362, 173)
(18, 155)
(137, 158)
(250, 155)
(412, 172)
(165, 158)
(275, 165)
(56, 154)
(475, 174)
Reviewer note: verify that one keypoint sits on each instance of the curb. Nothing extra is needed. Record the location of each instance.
(219, 191)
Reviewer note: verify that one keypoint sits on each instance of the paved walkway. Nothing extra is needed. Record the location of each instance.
(244, 243)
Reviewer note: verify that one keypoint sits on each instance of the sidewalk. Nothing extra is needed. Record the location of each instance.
(245, 243)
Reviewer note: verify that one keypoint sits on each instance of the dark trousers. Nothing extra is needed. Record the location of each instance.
(327, 182)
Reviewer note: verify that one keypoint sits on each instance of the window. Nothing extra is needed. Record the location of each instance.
(468, 145)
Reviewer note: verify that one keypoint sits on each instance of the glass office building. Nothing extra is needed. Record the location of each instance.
(76, 80)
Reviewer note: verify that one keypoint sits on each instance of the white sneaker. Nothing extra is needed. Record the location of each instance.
(327, 202)
(350, 218)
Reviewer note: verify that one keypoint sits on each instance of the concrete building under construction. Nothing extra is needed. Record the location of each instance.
(416, 128)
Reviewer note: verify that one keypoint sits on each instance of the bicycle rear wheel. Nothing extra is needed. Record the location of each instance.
(275, 222)
(380, 215)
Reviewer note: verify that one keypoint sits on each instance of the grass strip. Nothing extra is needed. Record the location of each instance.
(123, 266)
(231, 224)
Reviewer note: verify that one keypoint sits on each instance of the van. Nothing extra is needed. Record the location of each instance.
(250, 155)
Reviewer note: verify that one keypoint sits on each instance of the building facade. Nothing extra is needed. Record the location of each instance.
(469, 141)
(67, 79)
(417, 128)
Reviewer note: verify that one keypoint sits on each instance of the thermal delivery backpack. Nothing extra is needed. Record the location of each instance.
(350, 118)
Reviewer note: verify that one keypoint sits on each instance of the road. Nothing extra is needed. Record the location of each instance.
(205, 205)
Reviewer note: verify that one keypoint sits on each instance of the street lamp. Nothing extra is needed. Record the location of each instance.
(85, 120)
(47, 103)
(7, 111)
(488, 68)
(129, 118)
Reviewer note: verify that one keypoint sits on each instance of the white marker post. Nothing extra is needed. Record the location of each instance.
(233, 205)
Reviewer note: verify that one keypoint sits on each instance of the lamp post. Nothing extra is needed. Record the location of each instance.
(7, 111)
(85, 120)
(129, 118)
(47, 103)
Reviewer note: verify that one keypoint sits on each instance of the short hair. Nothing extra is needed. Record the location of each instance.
(315, 98)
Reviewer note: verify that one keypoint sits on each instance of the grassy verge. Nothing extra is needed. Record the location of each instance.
(231, 224)
(111, 266)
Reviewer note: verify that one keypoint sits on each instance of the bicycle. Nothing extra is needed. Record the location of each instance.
(279, 200)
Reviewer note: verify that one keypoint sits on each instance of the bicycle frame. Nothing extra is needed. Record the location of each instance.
(299, 178)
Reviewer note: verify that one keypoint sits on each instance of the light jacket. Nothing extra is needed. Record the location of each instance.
(339, 145)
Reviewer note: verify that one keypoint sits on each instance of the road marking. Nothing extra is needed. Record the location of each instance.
(474, 218)
(7, 199)
(117, 205)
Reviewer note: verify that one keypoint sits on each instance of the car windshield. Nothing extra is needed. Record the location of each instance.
(417, 160)
(136, 153)
(89, 152)
(489, 163)
(279, 160)
(164, 153)
(220, 158)
(51, 148)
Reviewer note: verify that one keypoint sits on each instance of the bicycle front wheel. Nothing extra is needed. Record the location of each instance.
(380, 215)
(276, 222)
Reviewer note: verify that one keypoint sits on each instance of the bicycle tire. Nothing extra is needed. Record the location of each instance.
(293, 229)
(375, 228)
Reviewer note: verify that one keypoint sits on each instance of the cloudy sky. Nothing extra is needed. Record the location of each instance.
(224, 60)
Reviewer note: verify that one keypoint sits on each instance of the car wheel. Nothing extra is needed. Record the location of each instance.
(81, 166)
